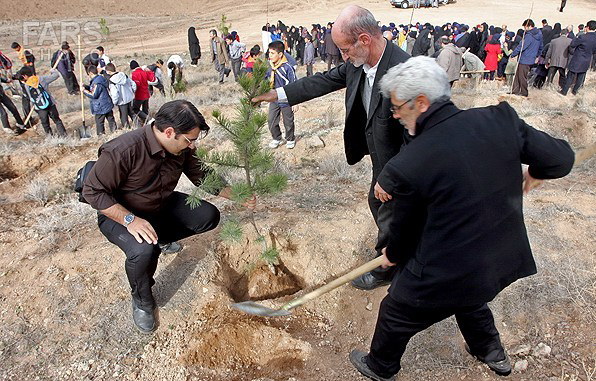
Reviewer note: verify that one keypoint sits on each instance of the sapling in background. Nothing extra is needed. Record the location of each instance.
(248, 158)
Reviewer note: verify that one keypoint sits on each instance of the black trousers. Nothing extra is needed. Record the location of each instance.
(126, 112)
(175, 221)
(575, 79)
(382, 214)
(70, 80)
(45, 115)
(551, 75)
(309, 71)
(100, 122)
(141, 109)
(6, 101)
(398, 323)
(159, 87)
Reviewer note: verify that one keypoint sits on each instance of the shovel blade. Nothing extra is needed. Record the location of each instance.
(257, 309)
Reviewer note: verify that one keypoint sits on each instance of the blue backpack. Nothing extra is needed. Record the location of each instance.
(40, 97)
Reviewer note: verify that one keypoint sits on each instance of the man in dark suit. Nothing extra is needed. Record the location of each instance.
(457, 234)
(584, 49)
(369, 128)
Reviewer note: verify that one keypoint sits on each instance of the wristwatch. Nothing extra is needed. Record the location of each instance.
(128, 219)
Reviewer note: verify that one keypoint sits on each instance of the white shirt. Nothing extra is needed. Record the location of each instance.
(177, 60)
(369, 81)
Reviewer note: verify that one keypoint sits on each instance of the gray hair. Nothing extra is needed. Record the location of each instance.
(417, 76)
(362, 21)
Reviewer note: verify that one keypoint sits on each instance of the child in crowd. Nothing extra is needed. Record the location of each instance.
(122, 92)
(35, 90)
(281, 74)
(101, 102)
(309, 54)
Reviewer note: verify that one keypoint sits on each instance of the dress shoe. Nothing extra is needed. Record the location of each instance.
(170, 248)
(144, 321)
(358, 359)
(367, 282)
(500, 367)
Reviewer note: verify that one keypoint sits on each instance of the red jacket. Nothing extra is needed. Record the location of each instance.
(492, 60)
(141, 78)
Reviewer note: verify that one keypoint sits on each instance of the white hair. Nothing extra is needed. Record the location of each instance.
(417, 76)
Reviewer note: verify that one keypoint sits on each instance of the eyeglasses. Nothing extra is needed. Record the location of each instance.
(395, 109)
(202, 134)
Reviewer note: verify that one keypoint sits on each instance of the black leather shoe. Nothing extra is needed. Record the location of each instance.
(144, 321)
(501, 367)
(170, 248)
(368, 282)
(358, 359)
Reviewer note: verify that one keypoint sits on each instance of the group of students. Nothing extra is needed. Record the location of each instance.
(107, 88)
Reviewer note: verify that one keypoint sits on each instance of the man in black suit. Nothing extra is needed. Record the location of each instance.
(369, 128)
(457, 234)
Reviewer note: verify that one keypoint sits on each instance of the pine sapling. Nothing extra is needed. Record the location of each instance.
(248, 158)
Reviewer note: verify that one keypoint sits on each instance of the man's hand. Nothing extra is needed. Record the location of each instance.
(530, 182)
(250, 203)
(270, 96)
(380, 193)
(386, 262)
(142, 230)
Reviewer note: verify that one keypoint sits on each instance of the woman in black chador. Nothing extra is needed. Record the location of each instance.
(193, 46)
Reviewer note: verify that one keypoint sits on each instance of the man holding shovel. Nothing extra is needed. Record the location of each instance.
(457, 234)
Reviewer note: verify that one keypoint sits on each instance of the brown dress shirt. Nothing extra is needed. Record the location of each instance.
(135, 171)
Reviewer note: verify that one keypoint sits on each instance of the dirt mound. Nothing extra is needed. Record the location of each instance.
(231, 340)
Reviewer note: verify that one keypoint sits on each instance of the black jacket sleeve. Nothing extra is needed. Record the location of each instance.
(547, 157)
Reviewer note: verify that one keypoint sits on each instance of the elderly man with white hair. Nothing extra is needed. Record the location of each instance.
(457, 234)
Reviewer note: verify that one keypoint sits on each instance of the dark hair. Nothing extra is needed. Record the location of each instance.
(592, 25)
(92, 69)
(277, 46)
(528, 22)
(171, 65)
(26, 70)
(15, 45)
(133, 65)
(308, 37)
(159, 61)
(213, 32)
(255, 51)
(544, 21)
(111, 67)
(181, 115)
(230, 37)
(100, 48)
(580, 26)
(65, 45)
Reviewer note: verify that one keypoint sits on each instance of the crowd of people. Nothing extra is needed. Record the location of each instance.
(530, 56)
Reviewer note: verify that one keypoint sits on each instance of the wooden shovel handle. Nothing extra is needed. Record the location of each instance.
(368, 266)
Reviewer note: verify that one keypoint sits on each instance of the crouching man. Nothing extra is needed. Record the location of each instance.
(132, 186)
(457, 234)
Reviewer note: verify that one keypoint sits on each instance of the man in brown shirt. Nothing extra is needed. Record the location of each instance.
(132, 186)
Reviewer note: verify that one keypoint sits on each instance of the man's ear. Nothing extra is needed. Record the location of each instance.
(169, 132)
(423, 103)
(365, 39)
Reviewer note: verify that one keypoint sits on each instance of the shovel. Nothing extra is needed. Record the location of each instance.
(83, 133)
(257, 309)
